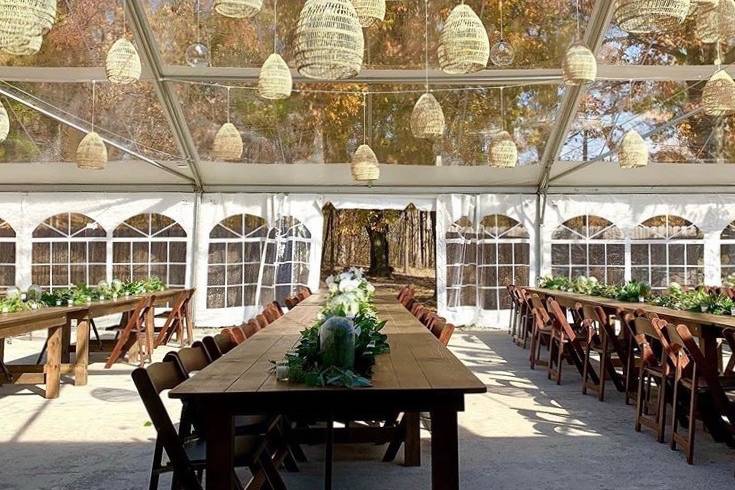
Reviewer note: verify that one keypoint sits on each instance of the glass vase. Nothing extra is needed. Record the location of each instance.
(337, 343)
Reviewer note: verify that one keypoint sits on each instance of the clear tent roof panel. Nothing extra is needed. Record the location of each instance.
(397, 43)
(317, 127)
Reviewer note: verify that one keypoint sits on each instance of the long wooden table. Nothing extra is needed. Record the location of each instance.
(58, 322)
(706, 326)
(418, 375)
(51, 319)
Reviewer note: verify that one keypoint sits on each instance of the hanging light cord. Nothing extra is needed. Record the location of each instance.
(228, 104)
(123, 20)
(502, 110)
(578, 27)
(502, 37)
(275, 26)
(364, 118)
(199, 27)
(94, 93)
(426, 44)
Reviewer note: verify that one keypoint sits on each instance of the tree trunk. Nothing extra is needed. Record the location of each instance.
(379, 263)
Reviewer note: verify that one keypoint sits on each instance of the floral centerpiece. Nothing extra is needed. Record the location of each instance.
(339, 349)
(16, 300)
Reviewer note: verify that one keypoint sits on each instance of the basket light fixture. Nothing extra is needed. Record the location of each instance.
(329, 40)
(463, 44)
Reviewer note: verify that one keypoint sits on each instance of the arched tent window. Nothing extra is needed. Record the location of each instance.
(588, 246)
(461, 241)
(234, 264)
(503, 259)
(7, 255)
(727, 253)
(286, 267)
(69, 249)
(667, 249)
(149, 245)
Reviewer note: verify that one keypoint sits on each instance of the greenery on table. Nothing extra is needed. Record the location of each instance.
(676, 297)
(81, 294)
(349, 297)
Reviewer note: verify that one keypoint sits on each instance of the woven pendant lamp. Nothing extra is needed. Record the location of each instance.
(369, 12)
(633, 151)
(274, 81)
(365, 165)
(718, 95)
(715, 22)
(238, 9)
(580, 65)
(91, 152)
(463, 44)
(4, 123)
(427, 118)
(23, 22)
(503, 151)
(329, 40)
(228, 143)
(641, 16)
(123, 63)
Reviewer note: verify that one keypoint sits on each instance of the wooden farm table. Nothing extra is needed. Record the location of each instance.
(418, 375)
(51, 319)
(706, 326)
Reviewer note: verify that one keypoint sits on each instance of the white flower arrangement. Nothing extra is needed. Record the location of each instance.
(349, 293)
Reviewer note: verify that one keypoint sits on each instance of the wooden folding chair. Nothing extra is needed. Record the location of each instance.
(565, 344)
(138, 329)
(218, 345)
(541, 332)
(654, 368)
(187, 453)
(177, 322)
(235, 334)
(261, 321)
(251, 328)
(443, 331)
(601, 338)
(707, 395)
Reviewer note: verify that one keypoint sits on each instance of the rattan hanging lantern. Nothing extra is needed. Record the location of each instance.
(91, 152)
(4, 123)
(718, 95)
(329, 40)
(580, 65)
(715, 23)
(641, 16)
(503, 151)
(463, 44)
(238, 9)
(365, 166)
(275, 80)
(228, 143)
(23, 23)
(427, 118)
(123, 63)
(633, 151)
(369, 12)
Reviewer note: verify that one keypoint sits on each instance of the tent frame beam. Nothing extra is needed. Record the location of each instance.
(170, 103)
(593, 38)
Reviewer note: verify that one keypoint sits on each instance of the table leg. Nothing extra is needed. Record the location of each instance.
(329, 454)
(66, 341)
(412, 444)
(52, 369)
(220, 449)
(444, 450)
(82, 353)
(709, 339)
(150, 331)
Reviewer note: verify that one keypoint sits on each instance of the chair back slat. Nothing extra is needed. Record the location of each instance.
(192, 359)
(560, 319)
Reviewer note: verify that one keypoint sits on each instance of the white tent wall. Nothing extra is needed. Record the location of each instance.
(216, 207)
(450, 208)
(710, 213)
(24, 212)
